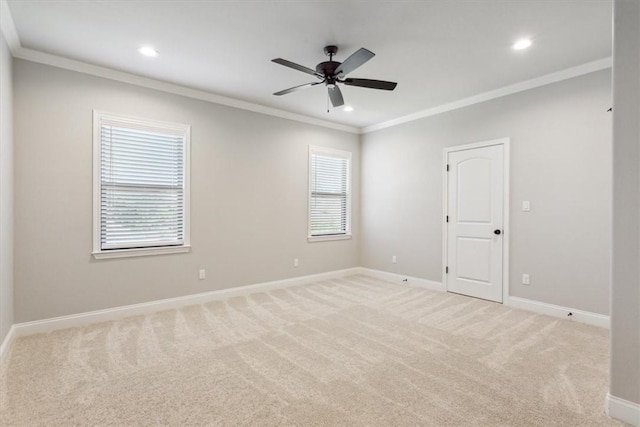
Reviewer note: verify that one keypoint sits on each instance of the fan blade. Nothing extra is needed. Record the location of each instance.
(336, 96)
(371, 84)
(297, 67)
(361, 56)
(293, 89)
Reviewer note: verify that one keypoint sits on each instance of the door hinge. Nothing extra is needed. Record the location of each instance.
(447, 168)
(447, 218)
(446, 270)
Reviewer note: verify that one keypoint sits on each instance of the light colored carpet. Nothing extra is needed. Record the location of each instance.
(356, 351)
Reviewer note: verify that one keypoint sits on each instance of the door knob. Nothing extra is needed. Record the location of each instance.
(497, 231)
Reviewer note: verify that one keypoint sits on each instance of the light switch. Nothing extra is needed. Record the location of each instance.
(526, 206)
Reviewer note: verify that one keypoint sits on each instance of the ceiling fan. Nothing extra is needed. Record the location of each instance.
(331, 73)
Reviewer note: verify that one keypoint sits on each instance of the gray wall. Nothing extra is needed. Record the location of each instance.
(625, 288)
(560, 161)
(6, 189)
(248, 197)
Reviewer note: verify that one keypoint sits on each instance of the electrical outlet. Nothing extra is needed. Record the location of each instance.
(525, 279)
(393, 259)
(296, 263)
(202, 274)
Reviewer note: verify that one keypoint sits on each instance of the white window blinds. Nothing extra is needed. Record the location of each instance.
(142, 184)
(329, 192)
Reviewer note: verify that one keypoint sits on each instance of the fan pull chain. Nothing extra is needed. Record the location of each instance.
(327, 102)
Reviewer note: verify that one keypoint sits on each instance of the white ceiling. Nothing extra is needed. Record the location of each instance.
(438, 51)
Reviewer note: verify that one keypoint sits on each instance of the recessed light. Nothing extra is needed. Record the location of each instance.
(148, 51)
(348, 108)
(522, 44)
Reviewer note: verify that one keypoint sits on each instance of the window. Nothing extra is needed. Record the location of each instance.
(141, 186)
(329, 194)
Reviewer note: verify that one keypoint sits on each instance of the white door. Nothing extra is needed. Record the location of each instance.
(475, 210)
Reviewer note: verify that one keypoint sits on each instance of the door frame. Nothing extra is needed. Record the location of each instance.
(506, 235)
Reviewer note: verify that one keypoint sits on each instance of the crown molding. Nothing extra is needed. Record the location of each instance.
(568, 73)
(121, 76)
(17, 51)
(8, 27)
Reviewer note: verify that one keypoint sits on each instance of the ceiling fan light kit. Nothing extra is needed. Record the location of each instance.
(331, 73)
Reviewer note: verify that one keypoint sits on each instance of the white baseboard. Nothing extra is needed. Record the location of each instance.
(6, 343)
(403, 280)
(82, 319)
(623, 410)
(616, 407)
(587, 317)
(582, 316)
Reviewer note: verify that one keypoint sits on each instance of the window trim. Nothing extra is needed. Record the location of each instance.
(139, 122)
(315, 149)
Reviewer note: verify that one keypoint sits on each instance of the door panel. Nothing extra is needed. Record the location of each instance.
(474, 184)
(472, 257)
(475, 204)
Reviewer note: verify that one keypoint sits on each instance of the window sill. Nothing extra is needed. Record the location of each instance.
(126, 253)
(328, 238)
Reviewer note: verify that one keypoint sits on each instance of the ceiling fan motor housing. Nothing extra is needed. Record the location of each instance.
(327, 68)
